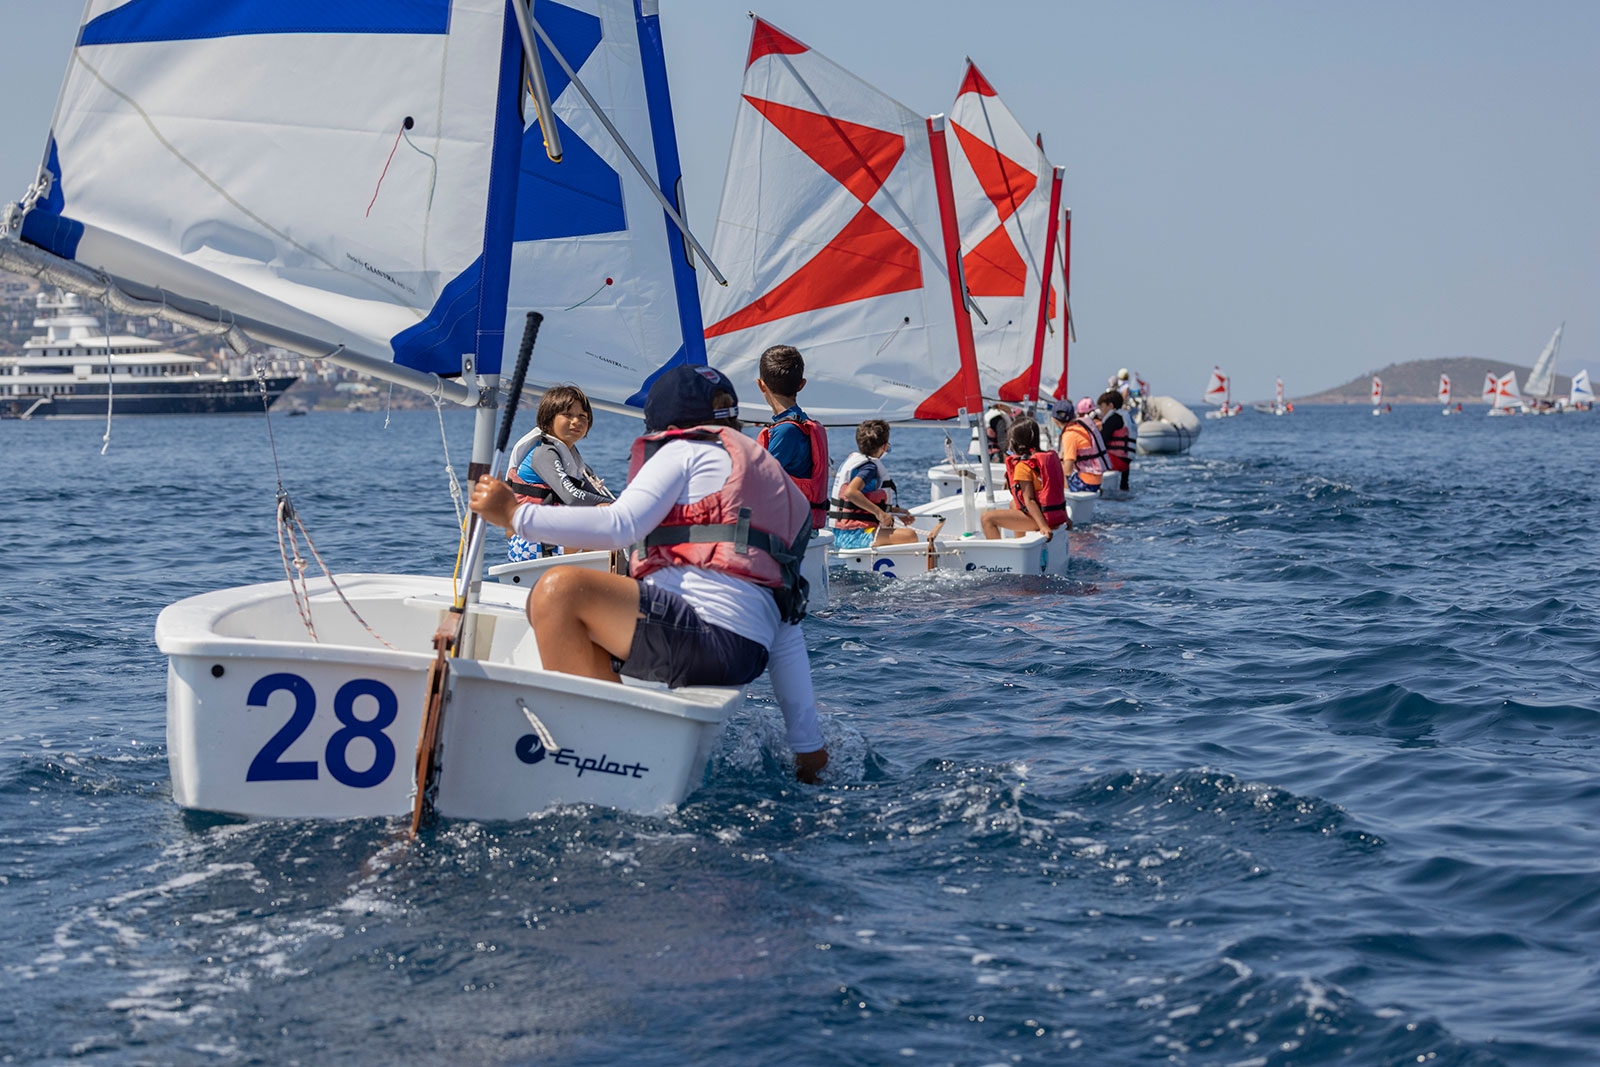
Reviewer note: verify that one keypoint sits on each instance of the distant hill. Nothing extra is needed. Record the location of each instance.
(1418, 381)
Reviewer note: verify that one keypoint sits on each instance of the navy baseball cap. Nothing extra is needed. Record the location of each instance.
(682, 397)
(1065, 409)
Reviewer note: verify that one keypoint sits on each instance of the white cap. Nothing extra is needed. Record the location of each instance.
(1123, 373)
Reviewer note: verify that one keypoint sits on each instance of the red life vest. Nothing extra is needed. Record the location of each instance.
(814, 488)
(1119, 446)
(1050, 485)
(755, 527)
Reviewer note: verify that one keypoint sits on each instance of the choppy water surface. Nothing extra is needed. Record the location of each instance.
(1298, 766)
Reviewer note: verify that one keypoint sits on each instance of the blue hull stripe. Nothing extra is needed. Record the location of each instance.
(191, 20)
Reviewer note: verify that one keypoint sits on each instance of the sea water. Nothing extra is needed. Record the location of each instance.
(1299, 764)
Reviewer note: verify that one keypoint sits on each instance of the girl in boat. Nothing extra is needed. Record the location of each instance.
(548, 468)
(1083, 450)
(1038, 488)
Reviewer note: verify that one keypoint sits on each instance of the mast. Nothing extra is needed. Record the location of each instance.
(1056, 178)
(1066, 300)
(973, 400)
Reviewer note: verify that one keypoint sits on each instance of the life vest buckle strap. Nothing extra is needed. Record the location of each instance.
(741, 533)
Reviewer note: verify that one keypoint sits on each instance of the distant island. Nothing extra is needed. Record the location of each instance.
(1417, 381)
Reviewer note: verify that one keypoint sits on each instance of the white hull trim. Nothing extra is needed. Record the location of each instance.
(263, 721)
(1028, 554)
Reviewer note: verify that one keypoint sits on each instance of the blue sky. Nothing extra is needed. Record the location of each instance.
(1305, 189)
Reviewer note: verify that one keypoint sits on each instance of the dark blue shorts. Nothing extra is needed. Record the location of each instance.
(672, 644)
(1078, 485)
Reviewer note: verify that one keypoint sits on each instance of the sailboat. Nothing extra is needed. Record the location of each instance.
(1491, 385)
(604, 262)
(1008, 211)
(1581, 397)
(1377, 396)
(1278, 405)
(836, 228)
(1507, 397)
(1444, 392)
(1541, 395)
(1219, 390)
(369, 215)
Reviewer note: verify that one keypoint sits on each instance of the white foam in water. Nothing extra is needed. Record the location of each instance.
(758, 735)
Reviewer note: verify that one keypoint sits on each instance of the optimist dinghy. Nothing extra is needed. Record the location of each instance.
(852, 255)
(413, 264)
(1029, 554)
(264, 721)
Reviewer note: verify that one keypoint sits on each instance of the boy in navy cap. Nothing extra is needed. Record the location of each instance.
(715, 594)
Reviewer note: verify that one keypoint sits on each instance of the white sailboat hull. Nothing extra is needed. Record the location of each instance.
(263, 721)
(1028, 554)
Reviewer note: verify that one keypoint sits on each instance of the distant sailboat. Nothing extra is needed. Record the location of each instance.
(1219, 391)
(1542, 379)
(1278, 405)
(1444, 392)
(1582, 395)
(1491, 384)
(1507, 398)
(1377, 395)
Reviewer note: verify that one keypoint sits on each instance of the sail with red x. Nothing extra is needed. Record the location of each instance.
(828, 232)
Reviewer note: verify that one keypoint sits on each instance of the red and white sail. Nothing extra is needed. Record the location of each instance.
(1444, 388)
(1217, 387)
(1001, 180)
(1506, 394)
(829, 233)
(1491, 385)
(1377, 390)
(1277, 397)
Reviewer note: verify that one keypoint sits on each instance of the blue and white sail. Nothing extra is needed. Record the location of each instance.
(1582, 391)
(342, 169)
(594, 250)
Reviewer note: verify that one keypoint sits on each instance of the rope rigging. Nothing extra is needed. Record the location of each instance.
(288, 521)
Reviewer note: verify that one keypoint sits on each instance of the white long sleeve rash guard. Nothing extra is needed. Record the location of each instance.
(682, 472)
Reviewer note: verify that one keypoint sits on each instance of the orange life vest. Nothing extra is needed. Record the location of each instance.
(814, 488)
(1050, 485)
(755, 527)
(1088, 463)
